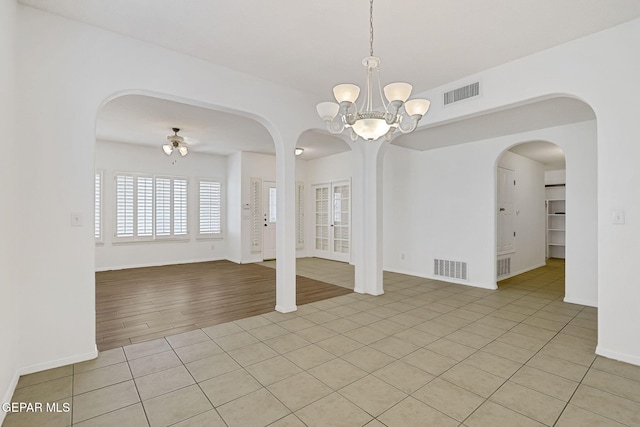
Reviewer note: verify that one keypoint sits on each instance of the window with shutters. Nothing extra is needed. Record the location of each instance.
(209, 208)
(150, 207)
(98, 207)
(256, 214)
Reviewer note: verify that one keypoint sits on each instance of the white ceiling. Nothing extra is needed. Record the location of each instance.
(313, 45)
(550, 155)
(145, 120)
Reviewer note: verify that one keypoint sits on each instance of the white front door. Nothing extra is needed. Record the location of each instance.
(332, 221)
(269, 220)
(505, 211)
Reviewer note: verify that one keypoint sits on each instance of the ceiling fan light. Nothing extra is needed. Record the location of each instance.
(399, 91)
(346, 92)
(168, 149)
(183, 150)
(327, 110)
(417, 107)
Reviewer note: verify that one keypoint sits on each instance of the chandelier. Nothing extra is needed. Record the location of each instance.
(367, 122)
(176, 142)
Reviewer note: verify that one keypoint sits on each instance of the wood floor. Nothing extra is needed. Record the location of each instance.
(140, 304)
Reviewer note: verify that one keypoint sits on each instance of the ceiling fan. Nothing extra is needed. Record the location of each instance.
(176, 142)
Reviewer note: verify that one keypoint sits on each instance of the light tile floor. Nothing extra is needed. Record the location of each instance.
(426, 353)
(336, 273)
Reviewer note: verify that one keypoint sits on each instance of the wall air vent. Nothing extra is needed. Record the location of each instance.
(461, 93)
(504, 266)
(447, 268)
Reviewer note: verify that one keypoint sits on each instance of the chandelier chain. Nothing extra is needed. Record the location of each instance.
(366, 122)
(370, 27)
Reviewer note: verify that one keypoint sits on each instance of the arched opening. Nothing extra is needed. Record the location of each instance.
(531, 214)
(180, 234)
(324, 170)
(171, 220)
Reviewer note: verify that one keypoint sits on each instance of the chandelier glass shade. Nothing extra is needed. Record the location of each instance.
(366, 121)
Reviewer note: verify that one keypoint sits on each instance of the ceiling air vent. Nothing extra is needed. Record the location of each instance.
(461, 93)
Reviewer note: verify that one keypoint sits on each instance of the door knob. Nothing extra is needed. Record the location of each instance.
(501, 209)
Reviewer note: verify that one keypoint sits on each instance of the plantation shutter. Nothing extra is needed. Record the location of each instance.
(98, 206)
(256, 214)
(163, 206)
(299, 215)
(124, 205)
(179, 207)
(210, 207)
(144, 196)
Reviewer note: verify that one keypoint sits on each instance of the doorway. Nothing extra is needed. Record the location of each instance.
(332, 221)
(522, 207)
(269, 220)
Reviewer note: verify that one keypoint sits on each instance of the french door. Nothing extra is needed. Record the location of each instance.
(332, 227)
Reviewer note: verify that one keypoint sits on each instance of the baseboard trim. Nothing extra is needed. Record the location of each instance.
(9, 394)
(59, 362)
(442, 279)
(579, 301)
(283, 309)
(153, 264)
(622, 357)
(25, 370)
(524, 270)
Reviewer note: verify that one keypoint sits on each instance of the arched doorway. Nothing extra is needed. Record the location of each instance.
(530, 176)
(160, 208)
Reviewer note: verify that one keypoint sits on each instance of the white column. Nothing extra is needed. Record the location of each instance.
(367, 220)
(285, 231)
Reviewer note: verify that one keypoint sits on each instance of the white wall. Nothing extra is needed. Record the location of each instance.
(112, 157)
(530, 224)
(10, 259)
(441, 204)
(234, 207)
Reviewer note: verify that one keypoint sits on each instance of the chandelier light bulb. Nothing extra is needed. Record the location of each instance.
(168, 149)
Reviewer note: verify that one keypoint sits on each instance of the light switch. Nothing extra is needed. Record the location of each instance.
(76, 219)
(617, 217)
